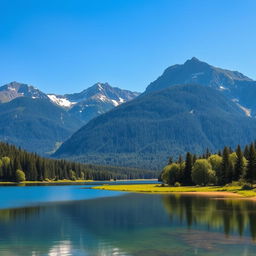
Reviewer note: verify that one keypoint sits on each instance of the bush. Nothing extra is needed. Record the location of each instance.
(202, 172)
(247, 187)
(177, 184)
(20, 176)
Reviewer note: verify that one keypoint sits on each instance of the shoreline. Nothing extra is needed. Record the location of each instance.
(68, 181)
(227, 192)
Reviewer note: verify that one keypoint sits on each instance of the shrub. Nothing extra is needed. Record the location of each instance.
(247, 187)
(20, 176)
(177, 184)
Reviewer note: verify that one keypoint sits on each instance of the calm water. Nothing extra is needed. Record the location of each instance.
(39, 221)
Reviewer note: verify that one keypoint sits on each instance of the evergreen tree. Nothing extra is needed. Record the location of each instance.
(187, 179)
(239, 165)
(225, 168)
(246, 152)
(250, 175)
(170, 160)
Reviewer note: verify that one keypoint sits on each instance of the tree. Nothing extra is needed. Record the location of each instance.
(171, 174)
(246, 152)
(202, 172)
(72, 175)
(20, 176)
(187, 178)
(215, 161)
(250, 175)
(239, 164)
(170, 160)
(225, 168)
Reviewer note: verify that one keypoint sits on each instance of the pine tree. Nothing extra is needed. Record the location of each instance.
(225, 167)
(250, 175)
(246, 152)
(239, 165)
(187, 179)
(170, 160)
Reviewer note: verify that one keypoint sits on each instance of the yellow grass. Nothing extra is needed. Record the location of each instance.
(156, 188)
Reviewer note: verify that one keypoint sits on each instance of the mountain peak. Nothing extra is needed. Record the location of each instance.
(194, 59)
(195, 71)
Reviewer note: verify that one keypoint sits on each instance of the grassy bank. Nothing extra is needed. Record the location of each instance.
(155, 188)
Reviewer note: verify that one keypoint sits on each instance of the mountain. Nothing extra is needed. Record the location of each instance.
(35, 124)
(14, 90)
(97, 100)
(145, 131)
(236, 86)
(39, 122)
(94, 101)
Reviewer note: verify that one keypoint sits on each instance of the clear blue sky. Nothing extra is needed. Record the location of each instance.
(65, 46)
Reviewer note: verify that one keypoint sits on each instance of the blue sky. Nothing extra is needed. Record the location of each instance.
(65, 46)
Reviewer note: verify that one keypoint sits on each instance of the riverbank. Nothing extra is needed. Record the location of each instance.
(227, 191)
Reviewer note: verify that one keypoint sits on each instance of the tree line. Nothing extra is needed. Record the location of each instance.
(19, 165)
(215, 169)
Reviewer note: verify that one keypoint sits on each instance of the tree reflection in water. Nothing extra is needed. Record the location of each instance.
(230, 215)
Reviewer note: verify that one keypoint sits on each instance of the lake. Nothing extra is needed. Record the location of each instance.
(76, 220)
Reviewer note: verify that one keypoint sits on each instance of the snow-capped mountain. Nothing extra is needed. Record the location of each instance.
(91, 102)
(14, 90)
(40, 122)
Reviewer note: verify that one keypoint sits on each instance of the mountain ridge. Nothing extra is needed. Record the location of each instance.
(167, 122)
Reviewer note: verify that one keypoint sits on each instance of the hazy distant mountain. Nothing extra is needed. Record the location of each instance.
(39, 122)
(145, 131)
(35, 124)
(236, 86)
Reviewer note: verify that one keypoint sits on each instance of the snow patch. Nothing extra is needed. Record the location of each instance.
(121, 100)
(247, 111)
(102, 97)
(11, 88)
(100, 87)
(63, 102)
(115, 103)
(222, 88)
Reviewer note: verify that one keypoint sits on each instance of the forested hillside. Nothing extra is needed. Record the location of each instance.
(144, 132)
(14, 161)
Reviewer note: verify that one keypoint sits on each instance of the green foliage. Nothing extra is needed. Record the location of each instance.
(240, 164)
(187, 178)
(202, 173)
(72, 175)
(177, 184)
(20, 176)
(215, 161)
(251, 166)
(172, 173)
(37, 168)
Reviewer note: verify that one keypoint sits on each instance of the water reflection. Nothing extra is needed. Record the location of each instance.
(134, 225)
(230, 215)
